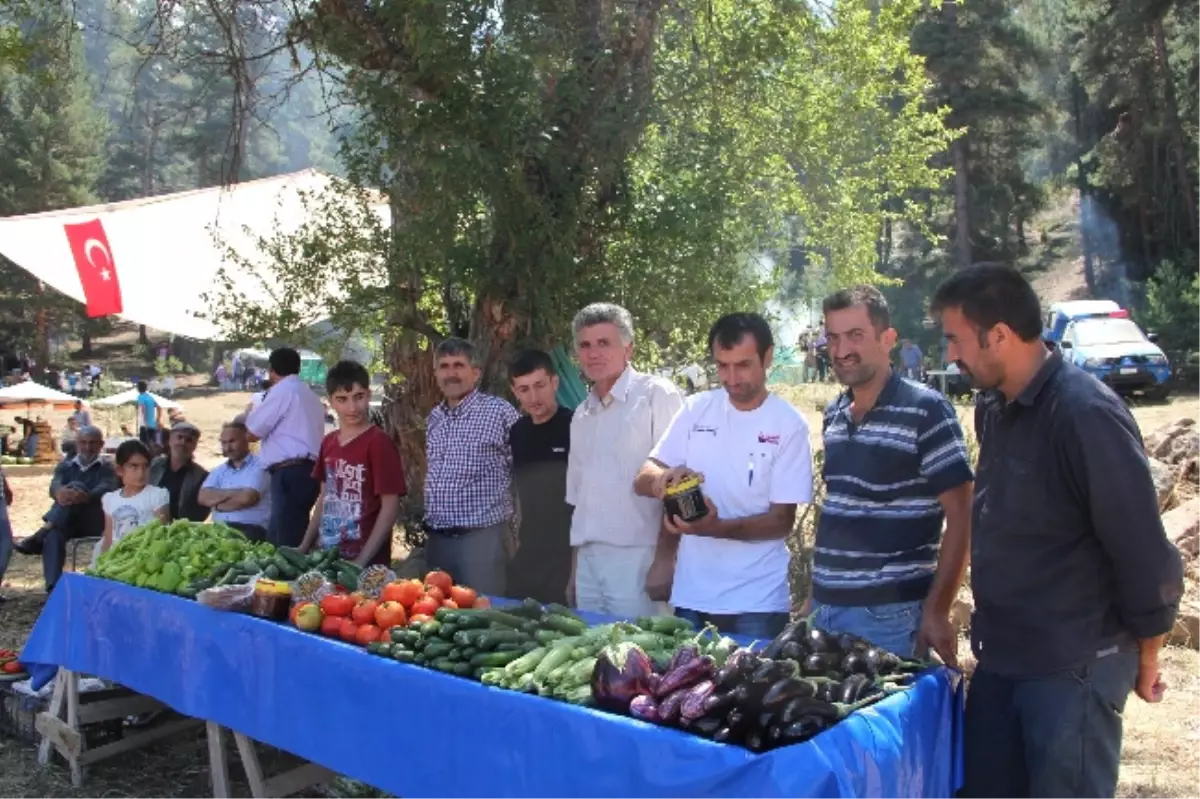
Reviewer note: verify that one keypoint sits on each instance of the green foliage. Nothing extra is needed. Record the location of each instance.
(536, 158)
(1172, 308)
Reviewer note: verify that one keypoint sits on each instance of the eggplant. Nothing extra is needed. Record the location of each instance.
(765, 719)
(774, 648)
(728, 676)
(622, 671)
(749, 694)
(881, 661)
(785, 690)
(688, 674)
(818, 641)
(802, 730)
(770, 671)
(820, 664)
(852, 643)
(802, 708)
(741, 660)
(826, 690)
(684, 654)
(794, 710)
(645, 708)
(669, 707)
(853, 687)
(737, 720)
(717, 703)
(724, 736)
(652, 682)
(794, 651)
(775, 735)
(705, 727)
(754, 741)
(855, 663)
(693, 701)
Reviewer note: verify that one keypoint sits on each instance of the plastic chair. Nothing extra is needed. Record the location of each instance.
(79, 554)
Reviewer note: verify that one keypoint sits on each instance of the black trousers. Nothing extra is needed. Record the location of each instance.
(293, 494)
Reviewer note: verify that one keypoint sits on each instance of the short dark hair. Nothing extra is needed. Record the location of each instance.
(130, 447)
(237, 424)
(528, 362)
(731, 328)
(345, 375)
(988, 294)
(284, 361)
(865, 295)
(454, 346)
(141, 386)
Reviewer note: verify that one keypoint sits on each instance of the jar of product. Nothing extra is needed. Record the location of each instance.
(272, 600)
(685, 501)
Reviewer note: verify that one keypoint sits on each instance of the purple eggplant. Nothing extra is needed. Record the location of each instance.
(686, 675)
(645, 708)
(652, 681)
(684, 654)
(670, 707)
(693, 703)
(622, 672)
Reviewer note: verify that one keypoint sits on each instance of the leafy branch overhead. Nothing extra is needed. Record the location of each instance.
(536, 156)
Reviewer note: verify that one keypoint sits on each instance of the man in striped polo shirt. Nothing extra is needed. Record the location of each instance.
(895, 469)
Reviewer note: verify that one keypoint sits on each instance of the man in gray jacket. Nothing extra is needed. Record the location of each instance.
(178, 472)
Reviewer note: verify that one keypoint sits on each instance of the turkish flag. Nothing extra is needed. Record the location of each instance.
(96, 267)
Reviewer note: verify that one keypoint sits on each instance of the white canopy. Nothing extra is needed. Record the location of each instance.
(129, 397)
(166, 250)
(28, 392)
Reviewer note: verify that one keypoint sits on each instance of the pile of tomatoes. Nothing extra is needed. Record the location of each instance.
(359, 619)
(9, 663)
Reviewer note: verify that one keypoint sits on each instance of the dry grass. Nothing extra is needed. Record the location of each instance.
(1161, 756)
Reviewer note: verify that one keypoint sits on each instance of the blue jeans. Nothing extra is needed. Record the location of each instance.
(6, 536)
(293, 494)
(760, 626)
(1058, 735)
(892, 627)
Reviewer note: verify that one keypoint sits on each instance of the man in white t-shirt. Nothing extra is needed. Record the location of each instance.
(752, 451)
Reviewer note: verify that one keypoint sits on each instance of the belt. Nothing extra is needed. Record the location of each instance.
(449, 532)
(274, 467)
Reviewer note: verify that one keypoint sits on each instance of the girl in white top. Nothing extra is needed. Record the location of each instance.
(135, 503)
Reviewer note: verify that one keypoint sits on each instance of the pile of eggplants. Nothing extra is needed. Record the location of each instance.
(802, 683)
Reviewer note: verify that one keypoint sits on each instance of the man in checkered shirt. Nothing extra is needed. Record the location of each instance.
(468, 496)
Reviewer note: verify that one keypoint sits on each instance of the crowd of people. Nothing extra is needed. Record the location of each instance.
(1074, 580)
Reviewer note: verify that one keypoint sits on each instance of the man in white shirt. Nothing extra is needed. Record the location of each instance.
(613, 531)
(239, 490)
(290, 423)
(751, 449)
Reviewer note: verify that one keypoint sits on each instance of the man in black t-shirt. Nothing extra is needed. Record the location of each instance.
(540, 441)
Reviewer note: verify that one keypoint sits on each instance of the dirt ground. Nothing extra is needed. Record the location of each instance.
(1162, 743)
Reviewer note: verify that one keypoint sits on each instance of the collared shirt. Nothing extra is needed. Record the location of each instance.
(290, 422)
(470, 465)
(1069, 559)
(880, 528)
(251, 474)
(750, 460)
(610, 442)
(97, 477)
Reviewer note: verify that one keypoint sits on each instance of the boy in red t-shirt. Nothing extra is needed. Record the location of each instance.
(361, 474)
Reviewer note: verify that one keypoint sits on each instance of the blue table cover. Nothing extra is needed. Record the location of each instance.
(416, 732)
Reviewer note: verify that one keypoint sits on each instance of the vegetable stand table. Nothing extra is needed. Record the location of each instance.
(416, 732)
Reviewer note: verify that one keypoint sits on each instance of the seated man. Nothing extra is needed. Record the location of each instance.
(238, 491)
(178, 472)
(78, 485)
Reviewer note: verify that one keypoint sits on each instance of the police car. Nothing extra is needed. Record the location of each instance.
(1100, 338)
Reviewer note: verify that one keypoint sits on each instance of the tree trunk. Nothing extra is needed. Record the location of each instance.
(962, 220)
(1175, 130)
(1081, 184)
(85, 344)
(143, 339)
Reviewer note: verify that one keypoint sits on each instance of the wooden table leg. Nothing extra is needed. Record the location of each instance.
(217, 764)
(72, 689)
(55, 711)
(250, 763)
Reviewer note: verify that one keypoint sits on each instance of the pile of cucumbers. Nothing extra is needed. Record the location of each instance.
(469, 642)
(283, 563)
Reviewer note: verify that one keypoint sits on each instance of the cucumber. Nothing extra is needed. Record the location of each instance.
(373, 647)
(438, 649)
(500, 617)
(514, 647)
(402, 655)
(494, 659)
(271, 572)
(347, 577)
(447, 632)
(454, 654)
(564, 624)
(227, 577)
(493, 638)
(562, 610)
(468, 652)
(385, 650)
(461, 669)
(248, 566)
(547, 636)
(286, 569)
(297, 561)
(430, 629)
(441, 664)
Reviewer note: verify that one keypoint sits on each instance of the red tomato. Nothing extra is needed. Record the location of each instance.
(390, 614)
(337, 605)
(426, 606)
(385, 636)
(442, 580)
(482, 603)
(464, 596)
(367, 633)
(450, 603)
(364, 612)
(417, 619)
(348, 631)
(435, 593)
(11, 667)
(405, 592)
(331, 626)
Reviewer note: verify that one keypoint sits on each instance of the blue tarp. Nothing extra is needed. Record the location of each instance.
(416, 732)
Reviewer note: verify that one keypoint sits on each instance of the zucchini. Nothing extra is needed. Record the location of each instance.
(493, 638)
(547, 636)
(526, 663)
(562, 610)
(557, 656)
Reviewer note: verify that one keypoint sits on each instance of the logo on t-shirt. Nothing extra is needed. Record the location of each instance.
(768, 438)
(343, 502)
(704, 428)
